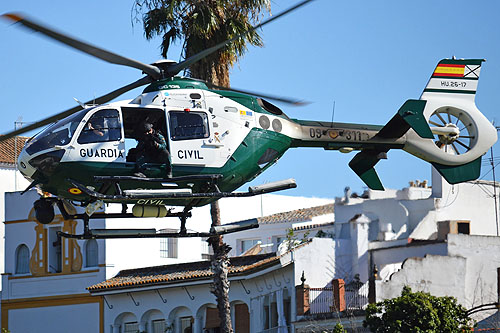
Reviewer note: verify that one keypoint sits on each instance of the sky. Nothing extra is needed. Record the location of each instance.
(366, 57)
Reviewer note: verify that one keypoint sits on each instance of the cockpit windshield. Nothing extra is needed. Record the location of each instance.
(58, 134)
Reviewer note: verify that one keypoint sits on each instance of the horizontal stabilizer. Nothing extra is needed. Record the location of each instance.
(410, 114)
(362, 164)
(456, 174)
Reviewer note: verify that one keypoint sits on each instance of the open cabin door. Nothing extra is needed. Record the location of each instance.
(133, 117)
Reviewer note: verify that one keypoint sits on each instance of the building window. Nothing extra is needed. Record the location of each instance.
(159, 326)
(276, 309)
(131, 327)
(168, 248)
(241, 318)
(22, 259)
(463, 227)
(55, 250)
(91, 253)
(206, 249)
(246, 244)
(186, 324)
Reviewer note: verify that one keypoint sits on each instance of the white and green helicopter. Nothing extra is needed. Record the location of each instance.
(221, 139)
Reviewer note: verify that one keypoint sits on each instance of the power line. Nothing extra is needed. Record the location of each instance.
(494, 189)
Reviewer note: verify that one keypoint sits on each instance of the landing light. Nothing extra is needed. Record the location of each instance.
(346, 150)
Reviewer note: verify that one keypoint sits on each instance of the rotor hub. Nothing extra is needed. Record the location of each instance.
(449, 134)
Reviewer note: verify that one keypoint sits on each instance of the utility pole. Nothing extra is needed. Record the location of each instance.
(494, 190)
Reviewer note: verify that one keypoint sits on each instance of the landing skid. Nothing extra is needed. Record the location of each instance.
(159, 194)
(124, 195)
(153, 233)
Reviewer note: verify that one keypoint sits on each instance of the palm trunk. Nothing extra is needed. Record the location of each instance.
(219, 266)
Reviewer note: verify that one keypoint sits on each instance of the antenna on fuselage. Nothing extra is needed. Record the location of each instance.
(80, 103)
(333, 113)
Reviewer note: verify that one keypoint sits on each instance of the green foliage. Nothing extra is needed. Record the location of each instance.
(292, 239)
(4, 330)
(417, 312)
(339, 328)
(323, 234)
(201, 25)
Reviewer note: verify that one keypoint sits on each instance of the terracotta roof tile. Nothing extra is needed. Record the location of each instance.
(299, 215)
(182, 272)
(8, 147)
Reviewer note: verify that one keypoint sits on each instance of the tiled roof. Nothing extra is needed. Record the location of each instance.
(8, 147)
(299, 215)
(313, 226)
(200, 270)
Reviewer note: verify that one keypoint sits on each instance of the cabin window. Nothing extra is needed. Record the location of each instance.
(103, 126)
(58, 134)
(22, 259)
(188, 125)
(268, 156)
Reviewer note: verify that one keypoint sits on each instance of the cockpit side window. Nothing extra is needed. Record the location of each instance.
(58, 134)
(103, 126)
(188, 125)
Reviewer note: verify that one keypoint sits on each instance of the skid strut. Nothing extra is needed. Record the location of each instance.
(120, 195)
(153, 233)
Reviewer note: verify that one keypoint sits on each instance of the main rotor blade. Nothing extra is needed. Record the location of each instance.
(175, 69)
(287, 100)
(100, 100)
(84, 47)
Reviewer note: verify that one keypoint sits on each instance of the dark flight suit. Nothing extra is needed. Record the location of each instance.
(152, 148)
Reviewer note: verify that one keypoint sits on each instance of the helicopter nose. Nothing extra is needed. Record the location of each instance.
(26, 169)
(43, 165)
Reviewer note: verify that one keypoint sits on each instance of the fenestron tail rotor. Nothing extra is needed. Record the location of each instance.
(453, 131)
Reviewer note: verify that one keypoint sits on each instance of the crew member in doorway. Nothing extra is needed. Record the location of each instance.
(152, 148)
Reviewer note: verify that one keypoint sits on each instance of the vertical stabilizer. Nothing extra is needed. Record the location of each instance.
(454, 76)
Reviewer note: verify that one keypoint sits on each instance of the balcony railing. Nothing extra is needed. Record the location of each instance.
(321, 300)
(356, 298)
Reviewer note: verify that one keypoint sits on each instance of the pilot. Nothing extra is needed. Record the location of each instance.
(152, 148)
(96, 129)
(92, 132)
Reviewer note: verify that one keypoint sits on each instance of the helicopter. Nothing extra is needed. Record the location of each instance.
(220, 138)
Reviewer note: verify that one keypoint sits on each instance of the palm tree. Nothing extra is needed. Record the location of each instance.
(202, 24)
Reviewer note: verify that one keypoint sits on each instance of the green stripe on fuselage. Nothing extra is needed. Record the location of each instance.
(239, 169)
(450, 91)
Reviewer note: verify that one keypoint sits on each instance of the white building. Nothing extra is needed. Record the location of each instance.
(441, 240)
(46, 277)
(275, 228)
(10, 178)
(376, 235)
(178, 298)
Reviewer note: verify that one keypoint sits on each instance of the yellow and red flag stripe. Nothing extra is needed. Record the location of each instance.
(454, 70)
